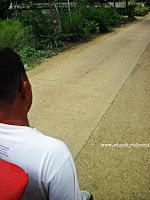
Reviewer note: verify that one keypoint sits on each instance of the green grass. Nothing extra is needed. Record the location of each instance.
(12, 33)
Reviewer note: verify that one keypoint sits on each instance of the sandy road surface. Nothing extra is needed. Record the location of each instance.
(72, 91)
(112, 173)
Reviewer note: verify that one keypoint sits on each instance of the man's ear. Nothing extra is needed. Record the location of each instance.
(24, 88)
(26, 93)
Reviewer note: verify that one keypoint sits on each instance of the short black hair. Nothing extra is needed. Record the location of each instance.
(11, 72)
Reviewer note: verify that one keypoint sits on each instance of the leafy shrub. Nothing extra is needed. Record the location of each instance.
(40, 23)
(77, 26)
(13, 34)
(29, 55)
(104, 17)
(34, 35)
(115, 18)
(131, 11)
(42, 27)
(89, 20)
(139, 11)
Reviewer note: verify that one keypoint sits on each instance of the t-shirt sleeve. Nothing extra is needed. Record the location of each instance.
(64, 185)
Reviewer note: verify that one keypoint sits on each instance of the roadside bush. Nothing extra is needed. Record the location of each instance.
(131, 11)
(89, 20)
(115, 18)
(29, 55)
(76, 26)
(13, 34)
(139, 11)
(42, 27)
(34, 35)
(106, 18)
(40, 23)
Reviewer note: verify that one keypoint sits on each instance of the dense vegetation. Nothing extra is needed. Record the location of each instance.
(141, 11)
(34, 35)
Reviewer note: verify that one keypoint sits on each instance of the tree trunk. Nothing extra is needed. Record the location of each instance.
(69, 10)
(114, 3)
(127, 4)
(55, 15)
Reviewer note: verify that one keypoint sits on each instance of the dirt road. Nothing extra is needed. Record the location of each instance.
(115, 173)
(72, 91)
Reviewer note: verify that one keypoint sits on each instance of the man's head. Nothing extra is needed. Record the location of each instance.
(14, 84)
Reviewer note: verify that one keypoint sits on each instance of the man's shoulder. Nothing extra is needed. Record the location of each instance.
(50, 152)
(49, 145)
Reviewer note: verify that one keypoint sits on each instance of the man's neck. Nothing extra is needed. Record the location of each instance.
(13, 117)
(16, 122)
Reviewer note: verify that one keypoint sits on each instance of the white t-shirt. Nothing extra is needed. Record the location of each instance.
(51, 170)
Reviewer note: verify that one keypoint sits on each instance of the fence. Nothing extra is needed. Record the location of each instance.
(41, 6)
